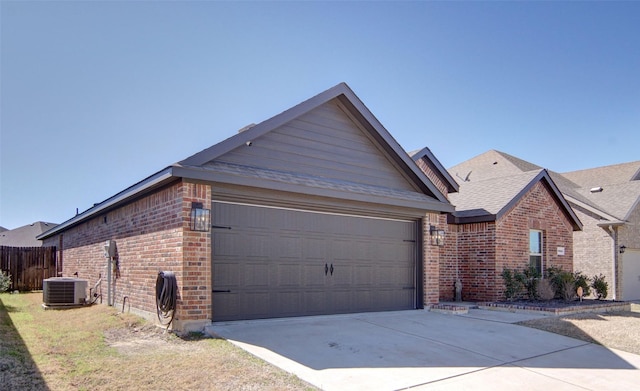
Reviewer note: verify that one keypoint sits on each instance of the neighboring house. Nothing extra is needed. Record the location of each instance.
(25, 236)
(317, 210)
(512, 219)
(606, 201)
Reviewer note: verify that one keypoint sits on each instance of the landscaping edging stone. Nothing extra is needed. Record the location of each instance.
(560, 311)
(449, 309)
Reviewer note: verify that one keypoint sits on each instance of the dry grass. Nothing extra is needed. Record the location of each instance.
(617, 330)
(97, 348)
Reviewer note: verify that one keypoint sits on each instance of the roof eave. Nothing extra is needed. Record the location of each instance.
(199, 174)
(156, 180)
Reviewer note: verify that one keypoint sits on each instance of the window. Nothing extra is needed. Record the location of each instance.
(535, 250)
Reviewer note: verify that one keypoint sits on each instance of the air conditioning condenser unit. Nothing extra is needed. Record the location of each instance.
(61, 291)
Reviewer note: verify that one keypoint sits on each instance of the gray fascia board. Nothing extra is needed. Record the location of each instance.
(206, 176)
(426, 152)
(590, 208)
(453, 219)
(612, 223)
(155, 180)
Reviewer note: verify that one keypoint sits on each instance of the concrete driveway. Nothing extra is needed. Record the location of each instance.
(422, 350)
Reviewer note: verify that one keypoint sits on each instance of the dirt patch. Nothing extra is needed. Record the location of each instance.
(147, 338)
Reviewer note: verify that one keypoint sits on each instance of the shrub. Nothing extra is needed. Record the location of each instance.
(584, 282)
(512, 284)
(5, 281)
(600, 286)
(545, 290)
(564, 283)
(529, 278)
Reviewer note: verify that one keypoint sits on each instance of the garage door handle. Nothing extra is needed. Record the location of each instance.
(326, 269)
(221, 291)
(331, 269)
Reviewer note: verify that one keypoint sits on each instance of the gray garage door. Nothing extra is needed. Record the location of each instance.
(631, 275)
(270, 262)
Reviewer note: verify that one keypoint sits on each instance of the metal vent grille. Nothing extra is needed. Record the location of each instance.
(59, 292)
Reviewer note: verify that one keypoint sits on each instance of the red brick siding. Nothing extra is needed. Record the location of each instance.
(483, 250)
(151, 235)
(431, 258)
(431, 173)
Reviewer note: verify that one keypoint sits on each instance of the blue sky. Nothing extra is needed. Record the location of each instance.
(95, 96)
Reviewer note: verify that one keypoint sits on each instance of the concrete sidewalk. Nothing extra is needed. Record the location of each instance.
(481, 350)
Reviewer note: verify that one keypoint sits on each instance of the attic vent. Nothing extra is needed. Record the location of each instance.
(596, 189)
(246, 128)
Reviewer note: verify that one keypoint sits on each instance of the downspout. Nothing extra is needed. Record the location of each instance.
(614, 235)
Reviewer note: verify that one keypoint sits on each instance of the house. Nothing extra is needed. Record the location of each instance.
(25, 236)
(605, 200)
(503, 218)
(317, 210)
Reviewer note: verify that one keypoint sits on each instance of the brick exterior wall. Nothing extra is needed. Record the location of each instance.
(593, 248)
(431, 173)
(431, 256)
(152, 234)
(482, 250)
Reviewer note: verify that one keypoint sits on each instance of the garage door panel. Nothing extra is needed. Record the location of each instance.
(289, 275)
(631, 275)
(255, 275)
(273, 263)
(227, 274)
(226, 244)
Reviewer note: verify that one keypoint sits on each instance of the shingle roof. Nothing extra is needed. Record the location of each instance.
(620, 182)
(607, 175)
(491, 164)
(311, 181)
(25, 236)
(491, 198)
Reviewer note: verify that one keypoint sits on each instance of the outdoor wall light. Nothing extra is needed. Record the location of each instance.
(200, 217)
(437, 236)
(622, 248)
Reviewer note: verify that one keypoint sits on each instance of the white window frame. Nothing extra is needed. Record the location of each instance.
(540, 254)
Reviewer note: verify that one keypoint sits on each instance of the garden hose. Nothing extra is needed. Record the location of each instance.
(166, 297)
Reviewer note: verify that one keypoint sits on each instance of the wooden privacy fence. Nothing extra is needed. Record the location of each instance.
(28, 266)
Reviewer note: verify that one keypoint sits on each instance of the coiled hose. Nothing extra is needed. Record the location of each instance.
(166, 297)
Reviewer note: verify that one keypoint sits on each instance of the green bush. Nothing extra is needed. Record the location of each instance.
(512, 283)
(5, 281)
(529, 278)
(600, 286)
(566, 283)
(584, 282)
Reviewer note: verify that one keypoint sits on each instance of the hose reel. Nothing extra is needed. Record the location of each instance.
(166, 297)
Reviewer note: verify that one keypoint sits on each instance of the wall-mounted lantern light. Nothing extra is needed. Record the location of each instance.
(200, 217)
(622, 248)
(437, 236)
